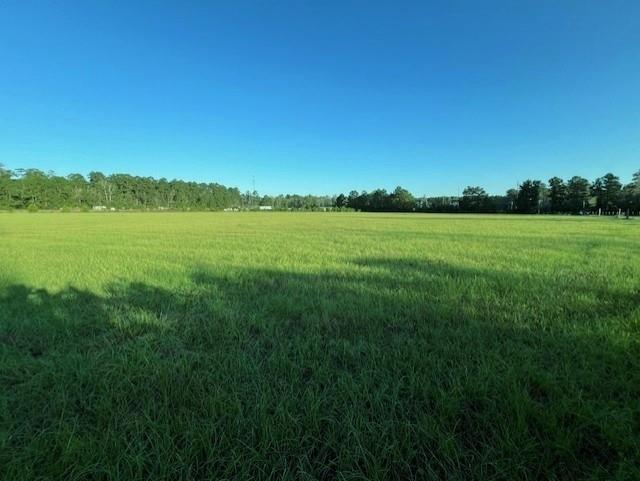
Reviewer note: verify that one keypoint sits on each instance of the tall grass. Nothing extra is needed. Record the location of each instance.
(318, 346)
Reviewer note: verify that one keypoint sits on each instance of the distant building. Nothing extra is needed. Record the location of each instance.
(265, 207)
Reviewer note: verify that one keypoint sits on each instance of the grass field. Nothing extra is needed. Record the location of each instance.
(190, 346)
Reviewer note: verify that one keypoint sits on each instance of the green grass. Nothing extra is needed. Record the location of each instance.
(199, 346)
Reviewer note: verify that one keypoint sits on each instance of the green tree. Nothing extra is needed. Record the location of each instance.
(474, 199)
(612, 191)
(557, 195)
(402, 200)
(528, 201)
(101, 189)
(597, 192)
(631, 194)
(607, 191)
(512, 199)
(34, 188)
(577, 194)
(5, 187)
(352, 200)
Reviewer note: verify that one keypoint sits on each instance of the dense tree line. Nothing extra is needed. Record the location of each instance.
(35, 189)
(605, 195)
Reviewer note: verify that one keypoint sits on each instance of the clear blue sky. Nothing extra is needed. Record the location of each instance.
(323, 97)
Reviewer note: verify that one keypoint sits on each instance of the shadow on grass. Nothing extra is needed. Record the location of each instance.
(390, 369)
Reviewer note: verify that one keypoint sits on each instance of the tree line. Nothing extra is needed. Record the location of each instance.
(605, 195)
(34, 189)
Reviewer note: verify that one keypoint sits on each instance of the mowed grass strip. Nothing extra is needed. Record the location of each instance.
(193, 346)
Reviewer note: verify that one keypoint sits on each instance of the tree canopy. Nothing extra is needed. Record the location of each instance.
(35, 189)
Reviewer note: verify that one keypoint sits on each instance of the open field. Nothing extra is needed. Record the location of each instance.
(181, 346)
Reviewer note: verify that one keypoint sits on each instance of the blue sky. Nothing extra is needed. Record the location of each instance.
(323, 97)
